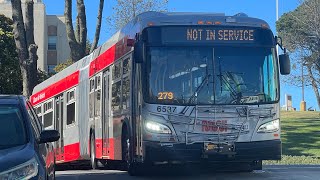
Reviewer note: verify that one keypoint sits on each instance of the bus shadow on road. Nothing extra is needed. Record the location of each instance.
(189, 171)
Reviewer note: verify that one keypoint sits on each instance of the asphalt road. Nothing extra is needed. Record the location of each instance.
(268, 172)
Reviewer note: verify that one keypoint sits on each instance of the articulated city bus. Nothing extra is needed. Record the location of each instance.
(171, 87)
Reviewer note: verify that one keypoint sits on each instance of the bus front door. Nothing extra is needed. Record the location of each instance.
(59, 127)
(106, 114)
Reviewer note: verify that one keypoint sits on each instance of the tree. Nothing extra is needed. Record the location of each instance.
(77, 39)
(126, 10)
(10, 75)
(25, 45)
(62, 66)
(301, 35)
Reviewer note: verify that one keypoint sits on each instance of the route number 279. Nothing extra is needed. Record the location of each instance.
(165, 95)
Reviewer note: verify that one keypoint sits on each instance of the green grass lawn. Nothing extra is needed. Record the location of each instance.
(300, 133)
(300, 138)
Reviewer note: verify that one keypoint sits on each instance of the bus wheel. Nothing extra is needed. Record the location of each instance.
(257, 165)
(134, 169)
(93, 160)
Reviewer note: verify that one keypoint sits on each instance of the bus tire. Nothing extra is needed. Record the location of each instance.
(93, 160)
(133, 168)
(257, 165)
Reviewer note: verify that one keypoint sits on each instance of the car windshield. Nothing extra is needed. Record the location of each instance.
(12, 127)
(211, 75)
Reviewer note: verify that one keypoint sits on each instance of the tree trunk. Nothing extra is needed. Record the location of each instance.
(21, 44)
(83, 27)
(314, 85)
(97, 34)
(74, 46)
(32, 47)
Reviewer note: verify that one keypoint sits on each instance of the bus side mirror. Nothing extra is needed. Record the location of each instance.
(284, 61)
(139, 51)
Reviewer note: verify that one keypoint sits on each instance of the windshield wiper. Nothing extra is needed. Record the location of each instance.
(199, 88)
(236, 96)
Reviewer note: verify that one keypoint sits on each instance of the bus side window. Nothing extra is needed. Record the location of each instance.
(97, 96)
(116, 87)
(71, 107)
(126, 84)
(91, 98)
(48, 114)
(116, 71)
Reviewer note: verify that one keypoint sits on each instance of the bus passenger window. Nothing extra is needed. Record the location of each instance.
(116, 96)
(71, 113)
(71, 107)
(91, 98)
(116, 71)
(97, 103)
(48, 114)
(125, 92)
(126, 66)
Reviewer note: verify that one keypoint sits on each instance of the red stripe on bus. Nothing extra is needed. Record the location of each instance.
(109, 150)
(56, 88)
(102, 61)
(72, 152)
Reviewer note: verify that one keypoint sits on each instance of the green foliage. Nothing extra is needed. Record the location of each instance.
(10, 74)
(62, 66)
(299, 30)
(42, 76)
(126, 10)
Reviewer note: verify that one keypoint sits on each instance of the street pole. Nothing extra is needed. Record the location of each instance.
(302, 79)
(277, 18)
(303, 104)
(277, 10)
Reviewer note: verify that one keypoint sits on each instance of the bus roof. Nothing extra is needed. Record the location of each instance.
(192, 18)
(144, 20)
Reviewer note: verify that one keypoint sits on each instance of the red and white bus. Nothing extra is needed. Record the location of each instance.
(170, 87)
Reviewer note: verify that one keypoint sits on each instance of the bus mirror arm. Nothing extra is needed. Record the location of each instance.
(284, 59)
(139, 52)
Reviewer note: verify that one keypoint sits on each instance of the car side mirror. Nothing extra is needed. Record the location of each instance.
(139, 51)
(49, 136)
(284, 61)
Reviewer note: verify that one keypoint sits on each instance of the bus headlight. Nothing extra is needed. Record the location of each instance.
(157, 127)
(269, 127)
(26, 170)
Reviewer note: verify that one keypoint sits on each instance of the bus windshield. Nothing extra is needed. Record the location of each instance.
(211, 75)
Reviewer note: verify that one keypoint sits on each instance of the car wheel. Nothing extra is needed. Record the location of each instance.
(93, 160)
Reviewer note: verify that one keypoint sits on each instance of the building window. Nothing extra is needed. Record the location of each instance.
(52, 42)
(51, 68)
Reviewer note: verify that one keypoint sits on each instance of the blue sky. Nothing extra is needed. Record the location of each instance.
(264, 9)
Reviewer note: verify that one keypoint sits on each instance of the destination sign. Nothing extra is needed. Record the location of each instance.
(199, 34)
(211, 35)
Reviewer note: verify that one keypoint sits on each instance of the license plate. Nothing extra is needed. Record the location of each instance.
(209, 147)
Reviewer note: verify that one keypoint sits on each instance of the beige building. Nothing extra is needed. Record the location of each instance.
(50, 35)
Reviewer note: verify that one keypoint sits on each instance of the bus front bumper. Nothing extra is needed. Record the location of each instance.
(244, 151)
